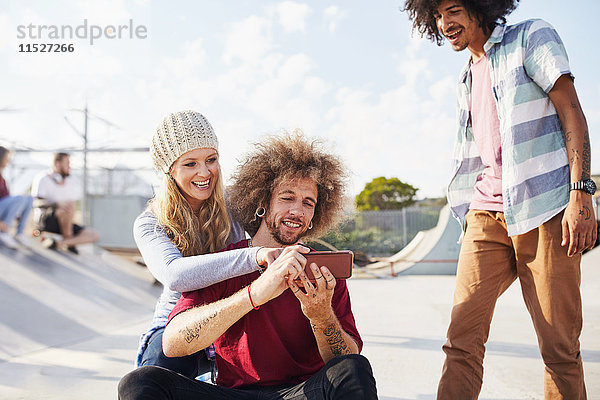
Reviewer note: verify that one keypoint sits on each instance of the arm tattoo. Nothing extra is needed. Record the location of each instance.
(568, 136)
(192, 333)
(586, 155)
(574, 157)
(335, 340)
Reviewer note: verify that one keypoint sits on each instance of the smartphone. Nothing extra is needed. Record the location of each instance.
(338, 262)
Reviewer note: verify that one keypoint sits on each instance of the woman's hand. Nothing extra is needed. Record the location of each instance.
(266, 255)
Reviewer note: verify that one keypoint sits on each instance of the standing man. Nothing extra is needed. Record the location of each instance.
(521, 188)
(273, 340)
(56, 193)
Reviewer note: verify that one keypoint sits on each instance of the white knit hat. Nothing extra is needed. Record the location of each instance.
(179, 133)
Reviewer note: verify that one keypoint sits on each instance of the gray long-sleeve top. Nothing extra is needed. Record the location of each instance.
(183, 274)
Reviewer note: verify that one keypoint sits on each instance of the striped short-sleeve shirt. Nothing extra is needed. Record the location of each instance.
(525, 60)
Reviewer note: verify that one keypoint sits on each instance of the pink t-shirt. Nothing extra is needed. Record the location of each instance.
(486, 130)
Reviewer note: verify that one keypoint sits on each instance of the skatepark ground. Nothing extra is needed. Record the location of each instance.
(70, 326)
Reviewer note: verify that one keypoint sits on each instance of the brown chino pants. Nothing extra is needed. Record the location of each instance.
(488, 264)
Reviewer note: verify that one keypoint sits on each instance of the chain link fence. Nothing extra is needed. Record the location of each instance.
(382, 233)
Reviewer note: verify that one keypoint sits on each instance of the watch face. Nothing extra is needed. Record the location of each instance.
(589, 186)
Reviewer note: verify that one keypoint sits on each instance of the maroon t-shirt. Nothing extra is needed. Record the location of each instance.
(274, 345)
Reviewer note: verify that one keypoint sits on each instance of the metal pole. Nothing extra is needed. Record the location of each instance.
(84, 202)
(404, 227)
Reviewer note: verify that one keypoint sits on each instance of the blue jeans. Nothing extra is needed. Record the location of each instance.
(13, 207)
(190, 366)
(347, 377)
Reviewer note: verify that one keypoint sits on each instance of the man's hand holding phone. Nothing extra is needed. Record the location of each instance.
(338, 263)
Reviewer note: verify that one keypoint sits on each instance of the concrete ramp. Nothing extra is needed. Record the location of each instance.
(64, 316)
(431, 252)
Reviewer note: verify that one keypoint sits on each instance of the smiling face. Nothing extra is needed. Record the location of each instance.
(196, 174)
(291, 210)
(460, 28)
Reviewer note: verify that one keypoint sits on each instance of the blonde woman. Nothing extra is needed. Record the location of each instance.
(183, 224)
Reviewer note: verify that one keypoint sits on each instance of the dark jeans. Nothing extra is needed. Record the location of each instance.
(190, 366)
(346, 377)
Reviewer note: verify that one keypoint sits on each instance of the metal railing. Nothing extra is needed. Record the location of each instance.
(383, 233)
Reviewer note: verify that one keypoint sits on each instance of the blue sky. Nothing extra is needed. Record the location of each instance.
(346, 71)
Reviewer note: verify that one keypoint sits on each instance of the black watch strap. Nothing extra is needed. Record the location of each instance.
(577, 185)
(586, 185)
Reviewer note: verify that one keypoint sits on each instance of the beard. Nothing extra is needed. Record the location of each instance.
(285, 240)
(64, 173)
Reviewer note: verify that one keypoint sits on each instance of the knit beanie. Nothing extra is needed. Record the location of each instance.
(179, 133)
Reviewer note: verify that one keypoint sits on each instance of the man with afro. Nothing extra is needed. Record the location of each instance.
(521, 188)
(273, 339)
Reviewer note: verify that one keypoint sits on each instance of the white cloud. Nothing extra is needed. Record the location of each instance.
(412, 67)
(294, 69)
(315, 87)
(188, 64)
(248, 40)
(278, 101)
(333, 16)
(109, 12)
(393, 134)
(443, 88)
(292, 16)
(6, 31)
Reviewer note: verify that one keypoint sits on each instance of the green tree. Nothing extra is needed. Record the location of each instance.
(385, 194)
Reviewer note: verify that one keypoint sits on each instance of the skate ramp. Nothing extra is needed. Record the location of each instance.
(69, 321)
(431, 252)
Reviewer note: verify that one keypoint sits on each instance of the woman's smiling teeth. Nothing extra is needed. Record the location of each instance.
(202, 184)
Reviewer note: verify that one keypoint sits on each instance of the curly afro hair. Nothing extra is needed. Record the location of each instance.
(282, 158)
(487, 12)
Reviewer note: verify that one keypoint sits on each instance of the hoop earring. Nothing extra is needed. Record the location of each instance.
(310, 226)
(260, 212)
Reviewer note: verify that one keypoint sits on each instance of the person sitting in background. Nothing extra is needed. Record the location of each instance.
(11, 208)
(56, 194)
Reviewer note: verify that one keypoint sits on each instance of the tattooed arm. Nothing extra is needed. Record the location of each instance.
(198, 327)
(332, 340)
(315, 301)
(579, 223)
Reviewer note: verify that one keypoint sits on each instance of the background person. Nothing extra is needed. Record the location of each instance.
(12, 208)
(185, 222)
(56, 193)
(521, 186)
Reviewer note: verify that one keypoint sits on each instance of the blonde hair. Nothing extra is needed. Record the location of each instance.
(193, 233)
